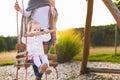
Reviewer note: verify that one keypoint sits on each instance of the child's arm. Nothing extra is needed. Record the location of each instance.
(32, 34)
(46, 31)
(28, 34)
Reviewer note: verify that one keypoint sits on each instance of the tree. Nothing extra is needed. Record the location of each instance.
(117, 3)
(2, 44)
(10, 43)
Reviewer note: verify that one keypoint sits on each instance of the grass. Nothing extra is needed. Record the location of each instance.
(104, 58)
(102, 54)
(71, 78)
(7, 58)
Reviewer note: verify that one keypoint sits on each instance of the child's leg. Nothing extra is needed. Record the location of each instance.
(44, 59)
(44, 65)
(37, 61)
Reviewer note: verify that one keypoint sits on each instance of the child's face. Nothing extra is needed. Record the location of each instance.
(35, 28)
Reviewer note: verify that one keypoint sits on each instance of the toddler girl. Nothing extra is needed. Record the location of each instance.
(35, 45)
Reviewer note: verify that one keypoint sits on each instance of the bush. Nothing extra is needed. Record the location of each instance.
(68, 45)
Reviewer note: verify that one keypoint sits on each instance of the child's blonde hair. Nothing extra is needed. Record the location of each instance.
(30, 25)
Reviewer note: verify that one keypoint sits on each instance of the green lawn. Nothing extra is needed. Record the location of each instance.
(100, 57)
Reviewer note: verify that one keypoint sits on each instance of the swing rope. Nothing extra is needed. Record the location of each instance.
(24, 20)
(17, 25)
(18, 38)
(52, 5)
(24, 23)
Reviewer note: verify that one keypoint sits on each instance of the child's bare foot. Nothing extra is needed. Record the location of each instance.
(43, 68)
(48, 71)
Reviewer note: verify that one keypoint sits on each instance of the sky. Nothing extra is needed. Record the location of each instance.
(72, 14)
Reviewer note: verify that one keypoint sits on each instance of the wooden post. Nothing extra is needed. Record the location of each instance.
(87, 36)
(114, 10)
(115, 40)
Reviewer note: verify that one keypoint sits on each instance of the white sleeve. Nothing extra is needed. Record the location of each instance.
(26, 13)
(23, 40)
(46, 37)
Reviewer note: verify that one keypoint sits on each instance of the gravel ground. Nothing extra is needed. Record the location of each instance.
(66, 71)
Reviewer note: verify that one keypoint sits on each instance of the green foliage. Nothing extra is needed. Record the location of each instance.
(71, 78)
(7, 63)
(11, 43)
(68, 45)
(7, 43)
(104, 35)
(2, 44)
(117, 3)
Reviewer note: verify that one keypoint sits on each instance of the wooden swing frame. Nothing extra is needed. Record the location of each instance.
(116, 14)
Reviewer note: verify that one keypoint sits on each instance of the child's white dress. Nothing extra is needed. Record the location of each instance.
(35, 48)
(35, 45)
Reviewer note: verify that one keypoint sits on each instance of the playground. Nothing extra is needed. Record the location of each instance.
(67, 71)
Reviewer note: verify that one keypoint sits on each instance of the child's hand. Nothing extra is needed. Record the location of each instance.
(17, 7)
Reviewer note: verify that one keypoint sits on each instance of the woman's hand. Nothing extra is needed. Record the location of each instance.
(46, 31)
(17, 7)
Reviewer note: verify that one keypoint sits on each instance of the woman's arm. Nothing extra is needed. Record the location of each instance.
(25, 13)
(49, 31)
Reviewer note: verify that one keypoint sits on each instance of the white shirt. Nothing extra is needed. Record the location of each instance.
(35, 44)
(40, 15)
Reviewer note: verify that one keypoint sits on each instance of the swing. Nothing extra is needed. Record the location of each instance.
(21, 60)
(115, 12)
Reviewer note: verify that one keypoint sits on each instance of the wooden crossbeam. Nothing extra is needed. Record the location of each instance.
(25, 65)
(114, 10)
(103, 70)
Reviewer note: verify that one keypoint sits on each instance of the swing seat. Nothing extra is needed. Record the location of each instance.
(22, 59)
(53, 60)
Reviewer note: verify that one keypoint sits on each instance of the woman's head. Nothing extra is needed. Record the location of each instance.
(34, 26)
(52, 3)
